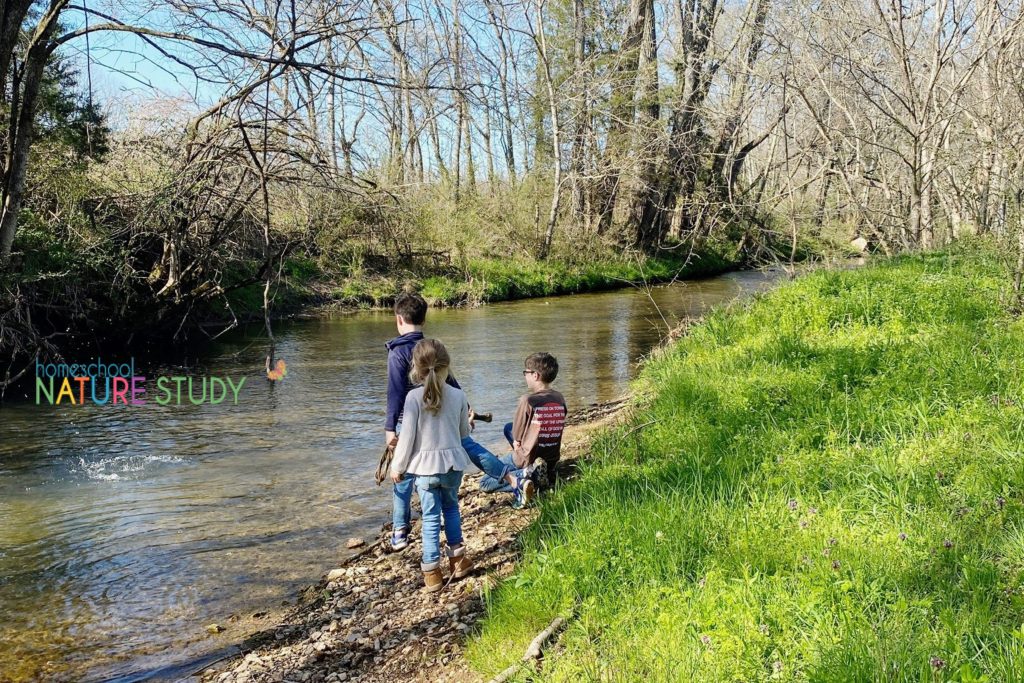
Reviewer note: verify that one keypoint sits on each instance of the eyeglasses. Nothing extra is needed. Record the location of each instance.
(526, 372)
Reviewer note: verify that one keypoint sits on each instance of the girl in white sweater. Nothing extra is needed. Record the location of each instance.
(435, 418)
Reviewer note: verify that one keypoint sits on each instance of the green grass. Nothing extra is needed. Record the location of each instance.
(486, 280)
(491, 280)
(825, 484)
(483, 280)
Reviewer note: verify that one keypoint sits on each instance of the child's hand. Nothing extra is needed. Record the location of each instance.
(396, 477)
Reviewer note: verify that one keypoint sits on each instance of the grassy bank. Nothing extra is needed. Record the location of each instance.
(481, 280)
(823, 485)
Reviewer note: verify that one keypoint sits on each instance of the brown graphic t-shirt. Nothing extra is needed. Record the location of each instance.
(538, 426)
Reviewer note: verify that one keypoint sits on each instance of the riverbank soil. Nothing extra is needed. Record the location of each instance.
(368, 620)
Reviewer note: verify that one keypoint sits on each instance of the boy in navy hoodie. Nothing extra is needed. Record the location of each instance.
(410, 314)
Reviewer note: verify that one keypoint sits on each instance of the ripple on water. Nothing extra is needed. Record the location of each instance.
(119, 467)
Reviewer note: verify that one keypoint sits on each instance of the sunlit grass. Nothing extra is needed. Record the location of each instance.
(485, 280)
(830, 488)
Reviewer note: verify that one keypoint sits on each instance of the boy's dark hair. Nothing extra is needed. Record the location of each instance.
(544, 364)
(412, 307)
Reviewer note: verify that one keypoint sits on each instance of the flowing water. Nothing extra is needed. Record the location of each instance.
(125, 530)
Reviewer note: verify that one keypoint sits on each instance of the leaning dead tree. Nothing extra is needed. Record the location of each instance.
(236, 46)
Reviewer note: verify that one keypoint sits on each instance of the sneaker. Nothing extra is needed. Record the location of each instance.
(399, 540)
(524, 493)
(538, 473)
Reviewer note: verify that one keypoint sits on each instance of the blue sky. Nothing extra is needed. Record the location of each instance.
(124, 67)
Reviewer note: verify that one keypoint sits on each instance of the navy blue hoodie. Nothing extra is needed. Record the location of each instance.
(399, 384)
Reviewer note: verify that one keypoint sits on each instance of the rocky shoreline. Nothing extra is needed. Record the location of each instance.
(367, 619)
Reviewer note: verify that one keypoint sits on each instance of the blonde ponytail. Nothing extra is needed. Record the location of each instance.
(429, 359)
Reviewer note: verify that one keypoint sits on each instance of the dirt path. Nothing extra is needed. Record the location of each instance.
(367, 620)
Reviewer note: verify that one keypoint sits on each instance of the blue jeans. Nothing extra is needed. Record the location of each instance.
(401, 504)
(439, 496)
(492, 483)
(489, 484)
(401, 500)
(490, 464)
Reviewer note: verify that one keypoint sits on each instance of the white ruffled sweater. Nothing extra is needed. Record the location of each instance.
(431, 443)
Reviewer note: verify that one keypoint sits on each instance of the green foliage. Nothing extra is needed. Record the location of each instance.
(489, 279)
(56, 236)
(821, 485)
(68, 117)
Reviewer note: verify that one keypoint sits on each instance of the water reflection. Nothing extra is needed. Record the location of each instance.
(124, 531)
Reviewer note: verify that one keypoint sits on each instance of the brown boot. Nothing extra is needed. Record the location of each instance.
(433, 580)
(459, 563)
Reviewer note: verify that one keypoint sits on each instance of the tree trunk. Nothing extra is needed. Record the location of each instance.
(644, 209)
(556, 137)
(22, 131)
(623, 89)
(332, 109)
(467, 122)
(927, 227)
(506, 103)
(822, 201)
(1018, 275)
(738, 99)
(693, 77)
(12, 16)
(581, 114)
(485, 135)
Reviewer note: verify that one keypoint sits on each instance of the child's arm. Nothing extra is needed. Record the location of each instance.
(403, 451)
(520, 425)
(397, 371)
(464, 427)
(451, 381)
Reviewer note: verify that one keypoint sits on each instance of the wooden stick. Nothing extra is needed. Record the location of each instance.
(533, 652)
(636, 429)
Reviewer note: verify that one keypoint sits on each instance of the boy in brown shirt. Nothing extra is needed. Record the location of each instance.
(535, 432)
